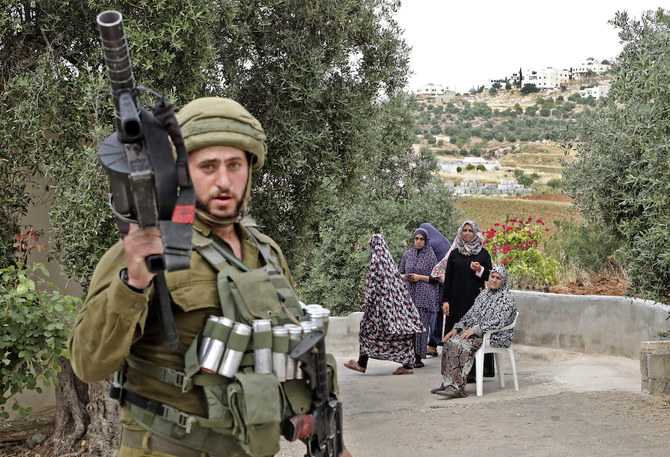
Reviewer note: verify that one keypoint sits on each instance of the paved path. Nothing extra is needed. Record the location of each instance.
(568, 404)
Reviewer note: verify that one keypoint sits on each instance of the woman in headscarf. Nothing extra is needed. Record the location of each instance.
(494, 308)
(440, 245)
(390, 319)
(415, 268)
(466, 269)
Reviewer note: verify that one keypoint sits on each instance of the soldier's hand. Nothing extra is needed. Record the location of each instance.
(139, 244)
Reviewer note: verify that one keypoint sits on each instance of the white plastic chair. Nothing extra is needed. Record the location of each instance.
(497, 352)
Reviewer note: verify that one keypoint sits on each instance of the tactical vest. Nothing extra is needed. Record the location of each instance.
(248, 409)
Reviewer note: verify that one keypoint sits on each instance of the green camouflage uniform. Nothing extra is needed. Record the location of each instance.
(114, 323)
(118, 324)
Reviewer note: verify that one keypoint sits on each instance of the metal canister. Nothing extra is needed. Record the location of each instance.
(317, 315)
(261, 342)
(206, 337)
(237, 344)
(294, 337)
(326, 319)
(220, 330)
(280, 344)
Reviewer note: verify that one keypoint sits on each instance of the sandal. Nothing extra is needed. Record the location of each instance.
(353, 365)
(419, 364)
(432, 353)
(403, 370)
(437, 389)
(451, 393)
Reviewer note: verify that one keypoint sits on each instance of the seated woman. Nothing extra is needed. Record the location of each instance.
(494, 308)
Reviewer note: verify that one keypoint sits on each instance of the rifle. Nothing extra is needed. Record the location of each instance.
(149, 187)
(321, 429)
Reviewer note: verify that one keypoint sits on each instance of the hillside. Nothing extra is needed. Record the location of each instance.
(521, 131)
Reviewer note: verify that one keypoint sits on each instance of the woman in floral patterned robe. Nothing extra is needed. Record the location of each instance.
(415, 268)
(494, 308)
(390, 319)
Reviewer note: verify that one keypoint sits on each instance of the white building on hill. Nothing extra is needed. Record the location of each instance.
(590, 65)
(595, 92)
(547, 78)
(432, 90)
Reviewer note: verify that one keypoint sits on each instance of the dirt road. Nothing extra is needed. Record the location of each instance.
(568, 404)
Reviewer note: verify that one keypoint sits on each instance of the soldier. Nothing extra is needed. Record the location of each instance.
(169, 407)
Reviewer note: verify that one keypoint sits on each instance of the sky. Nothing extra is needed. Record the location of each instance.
(462, 44)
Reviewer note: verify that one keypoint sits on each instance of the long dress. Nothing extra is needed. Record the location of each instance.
(462, 285)
(390, 319)
(424, 295)
(492, 309)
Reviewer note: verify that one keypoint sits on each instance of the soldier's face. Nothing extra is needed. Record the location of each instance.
(219, 175)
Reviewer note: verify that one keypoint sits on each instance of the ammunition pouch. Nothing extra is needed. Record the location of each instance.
(256, 404)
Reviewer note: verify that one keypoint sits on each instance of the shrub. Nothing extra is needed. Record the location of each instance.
(339, 263)
(621, 174)
(587, 247)
(458, 169)
(555, 183)
(529, 89)
(516, 247)
(470, 167)
(481, 167)
(36, 324)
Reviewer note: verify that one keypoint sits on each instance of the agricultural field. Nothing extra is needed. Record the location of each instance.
(487, 211)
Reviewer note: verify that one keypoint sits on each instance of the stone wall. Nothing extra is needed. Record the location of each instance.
(585, 323)
(655, 367)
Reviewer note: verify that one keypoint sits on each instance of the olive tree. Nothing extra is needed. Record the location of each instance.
(324, 78)
(56, 109)
(622, 173)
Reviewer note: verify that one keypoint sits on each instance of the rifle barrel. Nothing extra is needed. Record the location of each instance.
(117, 60)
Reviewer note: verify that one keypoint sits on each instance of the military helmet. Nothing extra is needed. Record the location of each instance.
(214, 121)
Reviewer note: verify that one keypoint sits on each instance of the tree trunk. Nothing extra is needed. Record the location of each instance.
(87, 419)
